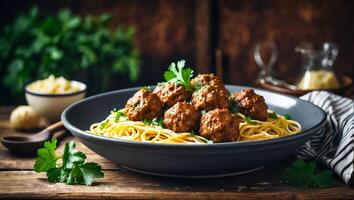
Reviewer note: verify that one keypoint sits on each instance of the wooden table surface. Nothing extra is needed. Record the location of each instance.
(18, 180)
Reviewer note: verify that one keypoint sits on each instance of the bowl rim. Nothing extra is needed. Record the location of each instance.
(83, 90)
(88, 136)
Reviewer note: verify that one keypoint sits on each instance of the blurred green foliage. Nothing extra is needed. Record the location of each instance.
(33, 47)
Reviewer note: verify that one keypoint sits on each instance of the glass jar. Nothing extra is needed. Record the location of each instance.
(317, 67)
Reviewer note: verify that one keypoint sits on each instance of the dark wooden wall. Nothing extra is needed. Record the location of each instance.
(167, 30)
(288, 23)
(164, 30)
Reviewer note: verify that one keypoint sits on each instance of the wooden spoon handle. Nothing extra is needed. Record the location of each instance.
(58, 126)
(60, 135)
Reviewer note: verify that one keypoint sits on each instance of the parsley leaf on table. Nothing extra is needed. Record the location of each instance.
(177, 73)
(71, 156)
(306, 174)
(73, 169)
(90, 171)
(46, 157)
(54, 174)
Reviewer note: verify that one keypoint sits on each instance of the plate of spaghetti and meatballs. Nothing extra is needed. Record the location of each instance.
(193, 125)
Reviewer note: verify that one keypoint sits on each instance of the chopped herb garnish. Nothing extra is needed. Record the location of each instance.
(147, 121)
(198, 86)
(103, 124)
(203, 112)
(306, 174)
(287, 116)
(72, 170)
(154, 122)
(141, 103)
(158, 122)
(233, 107)
(249, 120)
(273, 115)
(145, 88)
(119, 115)
(192, 132)
(177, 73)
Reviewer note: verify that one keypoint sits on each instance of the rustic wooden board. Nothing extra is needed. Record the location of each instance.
(122, 185)
(18, 180)
(10, 161)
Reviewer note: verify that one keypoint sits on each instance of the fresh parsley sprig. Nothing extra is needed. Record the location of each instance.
(273, 115)
(119, 116)
(103, 124)
(287, 116)
(179, 74)
(73, 168)
(233, 106)
(198, 86)
(306, 174)
(249, 120)
(154, 122)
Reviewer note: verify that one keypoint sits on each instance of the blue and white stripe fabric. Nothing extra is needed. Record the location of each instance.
(334, 144)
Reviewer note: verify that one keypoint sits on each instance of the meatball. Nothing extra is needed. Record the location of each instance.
(251, 104)
(208, 98)
(219, 125)
(182, 117)
(143, 105)
(171, 93)
(208, 79)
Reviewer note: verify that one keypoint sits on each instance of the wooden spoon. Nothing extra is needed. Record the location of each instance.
(29, 144)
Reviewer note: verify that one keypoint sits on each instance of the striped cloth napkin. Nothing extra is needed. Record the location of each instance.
(334, 144)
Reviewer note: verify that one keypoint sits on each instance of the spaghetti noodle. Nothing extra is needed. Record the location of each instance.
(275, 127)
(138, 131)
(250, 130)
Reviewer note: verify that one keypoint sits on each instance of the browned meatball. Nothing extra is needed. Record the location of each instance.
(171, 93)
(251, 104)
(182, 117)
(209, 98)
(219, 125)
(208, 79)
(143, 105)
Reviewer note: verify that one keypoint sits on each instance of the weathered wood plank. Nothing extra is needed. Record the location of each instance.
(203, 26)
(9, 161)
(124, 185)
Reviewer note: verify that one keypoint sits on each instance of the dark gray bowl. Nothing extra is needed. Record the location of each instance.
(191, 160)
